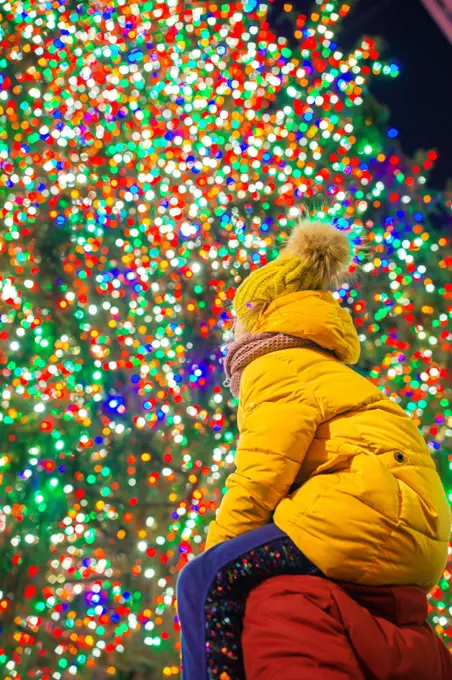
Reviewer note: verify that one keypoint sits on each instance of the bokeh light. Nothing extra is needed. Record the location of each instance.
(151, 155)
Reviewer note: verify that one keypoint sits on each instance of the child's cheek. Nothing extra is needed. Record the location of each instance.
(239, 330)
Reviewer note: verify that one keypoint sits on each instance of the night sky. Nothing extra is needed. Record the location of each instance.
(420, 99)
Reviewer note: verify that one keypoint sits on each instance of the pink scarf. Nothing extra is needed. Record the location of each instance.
(252, 346)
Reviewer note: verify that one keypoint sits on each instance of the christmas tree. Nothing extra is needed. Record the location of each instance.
(151, 155)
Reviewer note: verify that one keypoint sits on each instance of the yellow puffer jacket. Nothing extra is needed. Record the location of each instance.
(370, 507)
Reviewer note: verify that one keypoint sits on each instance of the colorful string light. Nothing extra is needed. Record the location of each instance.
(151, 154)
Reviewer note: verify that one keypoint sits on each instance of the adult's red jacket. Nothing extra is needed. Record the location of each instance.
(309, 628)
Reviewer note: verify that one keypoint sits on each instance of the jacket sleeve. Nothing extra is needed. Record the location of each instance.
(279, 419)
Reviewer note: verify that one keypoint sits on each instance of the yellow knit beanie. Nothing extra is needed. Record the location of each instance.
(315, 255)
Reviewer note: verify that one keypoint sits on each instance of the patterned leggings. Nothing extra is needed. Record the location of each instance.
(225, 604)
(212, 593)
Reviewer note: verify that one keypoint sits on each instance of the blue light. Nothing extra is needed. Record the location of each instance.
(343, 223)
(115, 404)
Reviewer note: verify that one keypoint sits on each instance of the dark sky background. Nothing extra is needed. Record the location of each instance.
(420, 99)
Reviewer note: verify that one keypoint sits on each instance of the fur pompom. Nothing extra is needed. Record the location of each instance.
(324, 251)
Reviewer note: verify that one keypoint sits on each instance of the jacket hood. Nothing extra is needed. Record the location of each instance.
(402, 605)
(315, 316)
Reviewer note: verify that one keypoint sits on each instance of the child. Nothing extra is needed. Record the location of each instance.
(332, 477)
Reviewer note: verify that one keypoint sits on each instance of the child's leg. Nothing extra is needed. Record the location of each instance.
(225, 604)
(212, 591)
